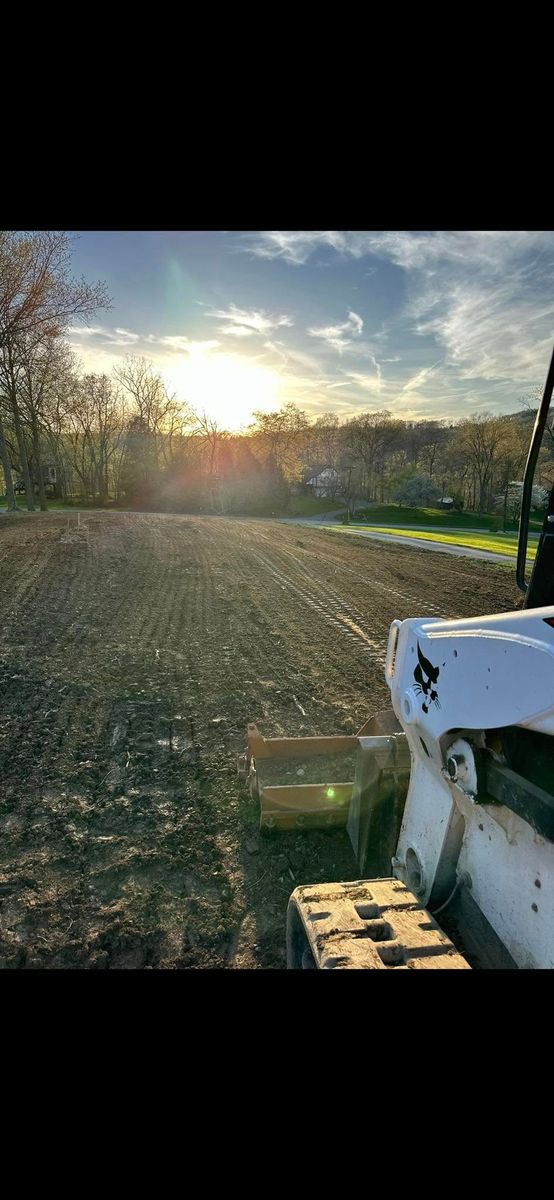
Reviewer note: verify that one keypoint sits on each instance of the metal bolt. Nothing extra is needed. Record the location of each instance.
(457, 767)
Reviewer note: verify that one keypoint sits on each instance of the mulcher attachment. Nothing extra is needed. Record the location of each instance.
(368, 799)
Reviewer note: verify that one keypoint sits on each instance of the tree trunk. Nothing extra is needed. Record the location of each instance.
(505, 507)
(38, 461)
(29, 493)
(5, 457)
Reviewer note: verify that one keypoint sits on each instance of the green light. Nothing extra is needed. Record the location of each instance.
(330, 793)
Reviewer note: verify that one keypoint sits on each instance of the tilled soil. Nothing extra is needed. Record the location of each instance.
(133, 650)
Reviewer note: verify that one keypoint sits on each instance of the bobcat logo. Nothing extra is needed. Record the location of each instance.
(425, 675)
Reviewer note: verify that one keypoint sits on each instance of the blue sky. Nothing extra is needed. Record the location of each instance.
(424, 324)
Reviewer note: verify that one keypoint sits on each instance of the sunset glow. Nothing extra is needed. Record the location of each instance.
(228, 387)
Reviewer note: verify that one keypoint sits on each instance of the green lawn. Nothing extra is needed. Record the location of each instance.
(70, 505)
(496, 543)
(392, 514)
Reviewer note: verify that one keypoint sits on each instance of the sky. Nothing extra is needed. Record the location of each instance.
(424, 324)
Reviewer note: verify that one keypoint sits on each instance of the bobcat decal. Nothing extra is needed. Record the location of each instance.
(426, 676)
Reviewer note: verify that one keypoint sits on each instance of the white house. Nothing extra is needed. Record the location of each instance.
(324, 484)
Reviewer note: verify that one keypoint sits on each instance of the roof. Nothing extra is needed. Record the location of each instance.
(325, 475)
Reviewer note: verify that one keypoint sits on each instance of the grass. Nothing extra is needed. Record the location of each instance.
(495, 543)
(310, 506)
(392, 514)
(67, 505)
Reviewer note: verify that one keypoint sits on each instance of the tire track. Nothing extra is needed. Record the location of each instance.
(408, 601)
(330, 609)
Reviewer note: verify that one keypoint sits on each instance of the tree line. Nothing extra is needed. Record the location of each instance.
(122, 438)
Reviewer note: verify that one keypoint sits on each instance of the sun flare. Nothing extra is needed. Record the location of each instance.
(228, 387)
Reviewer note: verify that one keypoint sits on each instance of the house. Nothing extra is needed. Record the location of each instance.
(49, 478)
(324, 484)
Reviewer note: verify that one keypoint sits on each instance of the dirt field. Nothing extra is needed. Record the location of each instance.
(133, 651)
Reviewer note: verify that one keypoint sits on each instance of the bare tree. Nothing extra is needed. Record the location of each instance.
(323, 449)
(37, 293)
(6, 467)
(212, 436)
(43, 367)
(94, 428)
(38, 300)
(486, 441)
(433, 436)
(372, 437)
(158, 412)
(10, 368)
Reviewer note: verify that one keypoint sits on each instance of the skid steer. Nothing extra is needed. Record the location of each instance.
(448, 799)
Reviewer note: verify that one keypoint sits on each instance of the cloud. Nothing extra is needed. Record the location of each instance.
(492, 332)
(334, 335)
(417, 380)
(237, 330)
(368, 383)
(100, 349)
(248, 322)
(292, 354)
(127, 335)
(484, 296)
(404, 248)
(356, 322)
(295, 248)
(181, 344)
(108, 337)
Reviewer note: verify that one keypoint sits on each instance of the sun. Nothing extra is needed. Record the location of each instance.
(228, 387)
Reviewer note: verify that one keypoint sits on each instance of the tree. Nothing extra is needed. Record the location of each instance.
(432, 438)
(95, 432)
(140, 475)
(372, 437)
(347, 476)
(510, 500)
(212, 437)
(280, 436)
(37, 294)
(6, 467)
(160, 415)
(418, 492)
(491, 445)
(38, 300)
(44, 367)
(323, 448)
(157, 422)
(9, 379)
